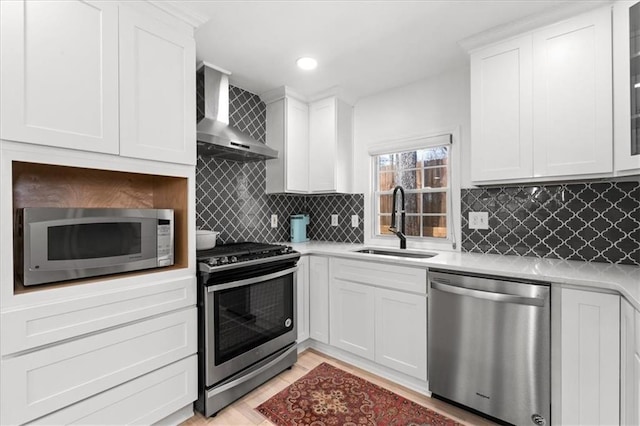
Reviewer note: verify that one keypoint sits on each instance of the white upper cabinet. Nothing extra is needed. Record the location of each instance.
(541, 103)
(314, 141)
(288, 133)
(501, 101)
(626, 71)
(572, 102)
(98, 76)
(59, 74)
(157, 90)
(330, 145)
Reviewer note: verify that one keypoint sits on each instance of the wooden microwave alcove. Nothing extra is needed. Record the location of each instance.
(45, 185)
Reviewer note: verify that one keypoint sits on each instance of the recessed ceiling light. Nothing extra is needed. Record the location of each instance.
(307, 63)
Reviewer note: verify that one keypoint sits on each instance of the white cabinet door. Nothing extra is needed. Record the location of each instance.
(623, 160)
(572, 96)
(635, 408)
(38, 383)
(319, 298)
(157, 90)
(501, 111)
(297, 151)
(590, 360)
(288, 133)
(330, 146)
(322, 145)
(401, 332)
(628, 365)
(59, 73)
(302, 312)
(636, 383)
(352, 317)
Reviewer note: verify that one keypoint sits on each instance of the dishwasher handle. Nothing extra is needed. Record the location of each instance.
(488, 295)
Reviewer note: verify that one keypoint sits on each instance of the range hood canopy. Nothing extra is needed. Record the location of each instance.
(216, 138)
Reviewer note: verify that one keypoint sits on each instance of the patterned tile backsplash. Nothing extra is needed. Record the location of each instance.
(596, 221)
(231, 198)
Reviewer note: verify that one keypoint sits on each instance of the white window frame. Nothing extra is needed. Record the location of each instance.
(452, 241)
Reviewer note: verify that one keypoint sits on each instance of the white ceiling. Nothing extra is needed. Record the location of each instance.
(362, 47)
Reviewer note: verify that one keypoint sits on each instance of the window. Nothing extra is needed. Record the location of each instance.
(424, 175)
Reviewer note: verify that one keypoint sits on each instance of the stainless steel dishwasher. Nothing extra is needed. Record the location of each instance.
(489, 346)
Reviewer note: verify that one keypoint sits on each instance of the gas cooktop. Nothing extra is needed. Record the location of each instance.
(231, 255)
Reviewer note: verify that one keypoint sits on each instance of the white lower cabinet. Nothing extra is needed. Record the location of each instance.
(401, 332)
(629, 366)
(590, 360)
(40, 382)
(635, 404)
(385, 325)
(144, 400)
(352, 310)
(319, 298)
(302, 307)
(38, 325)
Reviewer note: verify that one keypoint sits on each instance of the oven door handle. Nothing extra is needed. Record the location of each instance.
(250, 281)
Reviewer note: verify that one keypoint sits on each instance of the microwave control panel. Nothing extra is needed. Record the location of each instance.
(165, 243)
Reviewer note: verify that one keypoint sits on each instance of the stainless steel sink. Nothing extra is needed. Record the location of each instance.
(396, 253)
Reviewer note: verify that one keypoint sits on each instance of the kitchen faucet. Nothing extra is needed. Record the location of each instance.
(393, 228)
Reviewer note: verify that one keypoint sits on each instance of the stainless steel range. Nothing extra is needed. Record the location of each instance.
(247, 319)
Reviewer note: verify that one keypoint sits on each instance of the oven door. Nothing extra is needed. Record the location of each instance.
(247, 320)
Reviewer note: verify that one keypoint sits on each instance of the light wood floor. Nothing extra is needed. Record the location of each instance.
(242, 412)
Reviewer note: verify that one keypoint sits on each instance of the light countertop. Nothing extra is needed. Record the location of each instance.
(624, 279)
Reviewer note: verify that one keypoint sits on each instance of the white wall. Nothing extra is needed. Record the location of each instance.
(418, 109)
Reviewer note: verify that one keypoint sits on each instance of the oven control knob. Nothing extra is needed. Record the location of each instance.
(233, 259)
(213, 261)
(223, 260)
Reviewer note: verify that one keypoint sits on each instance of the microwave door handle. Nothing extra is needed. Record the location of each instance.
(250, 281)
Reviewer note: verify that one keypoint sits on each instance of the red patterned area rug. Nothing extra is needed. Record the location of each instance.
(329, 396)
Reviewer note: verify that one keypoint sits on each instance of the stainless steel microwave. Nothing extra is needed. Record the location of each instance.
(59, 244)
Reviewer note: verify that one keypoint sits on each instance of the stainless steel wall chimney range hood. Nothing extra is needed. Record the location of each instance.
(216, 138)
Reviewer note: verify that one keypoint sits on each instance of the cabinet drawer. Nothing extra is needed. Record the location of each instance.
(402, 278)
(43, 381)
(144, 400)
(35, 326)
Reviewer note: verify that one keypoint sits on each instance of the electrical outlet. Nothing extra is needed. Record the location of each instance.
(354, 220)
(334, 220)
(478, 220)
(274, 220)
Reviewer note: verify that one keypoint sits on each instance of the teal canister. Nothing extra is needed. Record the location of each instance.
(299, 224)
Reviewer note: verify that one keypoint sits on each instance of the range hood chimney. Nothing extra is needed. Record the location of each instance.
(216, 138)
